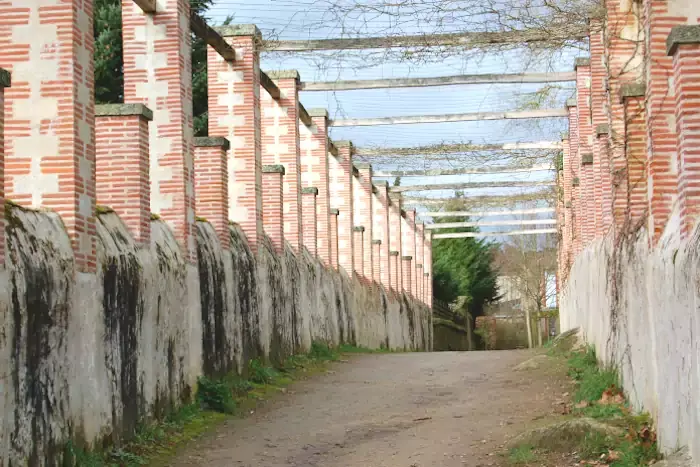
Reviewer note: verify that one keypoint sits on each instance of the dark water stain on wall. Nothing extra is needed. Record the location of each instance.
(217, 346)
(41, 286)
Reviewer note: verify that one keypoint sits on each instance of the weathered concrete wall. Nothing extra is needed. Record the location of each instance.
(88, 356)
(450, 336)
(639, 307)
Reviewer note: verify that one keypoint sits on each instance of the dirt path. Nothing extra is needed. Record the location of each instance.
(397, 410)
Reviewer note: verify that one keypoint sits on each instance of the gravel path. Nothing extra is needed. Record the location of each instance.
(442, 409)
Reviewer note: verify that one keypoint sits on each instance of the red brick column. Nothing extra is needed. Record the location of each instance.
(280, 145)
(378, 260)
(333, 237)
(358, 232)
(568, 231)
(585, 149)
(602, 191)
(395, 265)
(122, 165)
(660, 16)
(314, 172)
(632, 97)
(234, 113)
(420, 254)
(309, 225)
(428, 267)
(683, 45)
(158, 73)
(408, 270)
(395, 237)
(211, 184)
(50, 114)
(340, 175)
(380, 224)
(575, 179)
(363, 209)
(409, 245)
(4, 83)
(273, 217)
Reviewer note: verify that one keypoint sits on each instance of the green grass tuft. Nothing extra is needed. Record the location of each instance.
(215, 395)
(523, 454)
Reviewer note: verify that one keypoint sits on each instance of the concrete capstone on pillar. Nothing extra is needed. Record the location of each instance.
(280, 145)
(234, 113)
(273, 217)
(309, 196)
(340, 182)
(314, 173)
(50, 114)
(683, 44)
(122, 165)
(158, 73)
(211, 184)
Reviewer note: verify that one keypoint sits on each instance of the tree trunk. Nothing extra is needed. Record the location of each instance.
(539, 332)
(528, 324)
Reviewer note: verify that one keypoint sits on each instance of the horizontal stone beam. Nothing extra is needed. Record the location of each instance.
(147, 6)
(468, 185)
(454, 148)
(494, 234)
(269, 86)
(454, 225)
(465, 117)
(512, 212)
(201, 29)
(463, 40)
(506, 78)
(478, 170)
(304, 116)
(495, 199)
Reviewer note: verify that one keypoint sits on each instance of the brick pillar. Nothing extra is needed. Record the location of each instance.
(420, 254)
(428, 267)
(122, 165)
(601, 159)
(585, 149)
(358, 232)
(394, 264)
(632, 97)
(409, 244)
(380, 224)
(50, 120)
(280, 145)
(427, 283)
(568, 231)
(333, 237)
(340, 183)
(575, 180)
(683, 45)
(378, 260)
(211, 184)
(273, 217)
(623, 50)
(660, 16)
(408, 271)
(395, 239)
(158, 73)
(606, 197)
(309, 197)
(4, 83)
(314, 173)
(234, 113)
(363, 208)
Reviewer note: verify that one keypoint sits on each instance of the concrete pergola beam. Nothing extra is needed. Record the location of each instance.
(269, 86)
(494, 234)
(455, 148)
(446, 118)
(512, 212)
(505, 78)
(147, 6)
(201, 29)
(454, 225)
(468, 185)
(478, 170)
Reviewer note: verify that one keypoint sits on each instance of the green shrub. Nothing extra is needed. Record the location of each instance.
(260, 373)
(321, 351)
(215, 395)
(522, 454)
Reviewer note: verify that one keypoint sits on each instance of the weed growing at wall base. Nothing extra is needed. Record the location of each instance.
(216, 400)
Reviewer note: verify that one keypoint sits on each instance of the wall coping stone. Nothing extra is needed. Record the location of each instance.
(393, 253)
(565, 136)
(582, 61)
(575, 181)
(5, 78)
(632, 90)
(318, 112)
(358, 228)
(567, 204)
(419, 266)
(212, 142)
(334, 211)
(682, 35)
(363, 165)
(235, 30)
(119, 110)
(283, 74)
(376, 242)
(309, 190)
(587, 159)
(343, 143)
(426, 274)
(602, 129)
(571, 102)
(407, 258)
(273, 169)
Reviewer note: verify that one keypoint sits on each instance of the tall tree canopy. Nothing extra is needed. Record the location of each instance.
(109, 63)
(463, 266)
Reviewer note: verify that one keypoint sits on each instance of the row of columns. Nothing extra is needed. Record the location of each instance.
(262, 167)
(631, 157)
